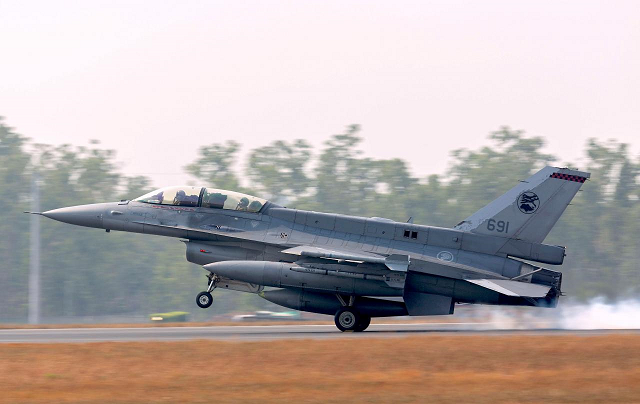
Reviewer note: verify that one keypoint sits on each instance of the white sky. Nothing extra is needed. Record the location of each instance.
(155, 80)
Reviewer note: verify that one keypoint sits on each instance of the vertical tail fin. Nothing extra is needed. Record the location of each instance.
(530, 209)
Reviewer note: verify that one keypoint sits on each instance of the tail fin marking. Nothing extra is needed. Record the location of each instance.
(530, 209)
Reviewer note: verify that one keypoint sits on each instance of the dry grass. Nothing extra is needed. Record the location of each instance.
(448, 369)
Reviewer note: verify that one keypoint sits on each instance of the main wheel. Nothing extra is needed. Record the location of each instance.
(204, 299)
(363, 323)
(347, 319)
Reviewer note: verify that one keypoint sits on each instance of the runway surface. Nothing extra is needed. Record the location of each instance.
(270, 332)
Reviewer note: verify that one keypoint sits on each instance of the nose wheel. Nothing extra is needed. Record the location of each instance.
(204, 299)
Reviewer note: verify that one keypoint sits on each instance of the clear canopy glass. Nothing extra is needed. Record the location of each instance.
(204, 197)
(179, 196)
(221, 199)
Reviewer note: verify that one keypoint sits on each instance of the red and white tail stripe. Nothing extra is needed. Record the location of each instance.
(574, 178)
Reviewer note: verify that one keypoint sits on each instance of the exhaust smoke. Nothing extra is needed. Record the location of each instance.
(597, 314)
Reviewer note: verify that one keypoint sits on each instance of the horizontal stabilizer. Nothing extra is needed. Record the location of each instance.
(512, 288)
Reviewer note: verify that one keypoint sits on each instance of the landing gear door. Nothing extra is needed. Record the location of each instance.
(225, 283)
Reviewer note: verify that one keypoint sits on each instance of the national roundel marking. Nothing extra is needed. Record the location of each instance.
(445, 256)
(528, 202)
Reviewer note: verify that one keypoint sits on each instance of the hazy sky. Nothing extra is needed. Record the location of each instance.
(156, 79)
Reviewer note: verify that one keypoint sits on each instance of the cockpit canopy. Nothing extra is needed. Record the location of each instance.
(204, 197)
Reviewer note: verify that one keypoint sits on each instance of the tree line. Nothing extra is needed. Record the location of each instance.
(90, 273)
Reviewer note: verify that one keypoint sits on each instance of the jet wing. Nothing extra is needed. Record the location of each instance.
(447, 269)
(394, 262)
(480, 277)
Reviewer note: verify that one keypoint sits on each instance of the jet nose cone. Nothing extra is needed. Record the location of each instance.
(83, 215)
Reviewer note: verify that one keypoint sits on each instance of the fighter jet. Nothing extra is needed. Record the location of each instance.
(356, 268)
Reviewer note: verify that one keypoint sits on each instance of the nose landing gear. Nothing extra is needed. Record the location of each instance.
(204, 299)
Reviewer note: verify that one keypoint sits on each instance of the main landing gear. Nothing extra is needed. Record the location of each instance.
(204, 299)
(347, 318)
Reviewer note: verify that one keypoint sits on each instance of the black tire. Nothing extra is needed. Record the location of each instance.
(204, 300)
(347, 319)
(363, 323)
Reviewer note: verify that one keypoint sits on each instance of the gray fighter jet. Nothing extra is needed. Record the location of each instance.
(351, 267)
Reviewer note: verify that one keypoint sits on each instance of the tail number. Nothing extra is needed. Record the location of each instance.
(500, 226)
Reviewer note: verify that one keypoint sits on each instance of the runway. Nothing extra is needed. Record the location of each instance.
(270, 332)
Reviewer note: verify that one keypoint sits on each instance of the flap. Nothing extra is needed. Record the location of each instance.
(512, 288)
(447, 269)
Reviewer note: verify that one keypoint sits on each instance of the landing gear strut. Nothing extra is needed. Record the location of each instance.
(204, 299)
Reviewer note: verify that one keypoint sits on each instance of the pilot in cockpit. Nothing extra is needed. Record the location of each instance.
(243, 205)
(183, 199)
(158, 197)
